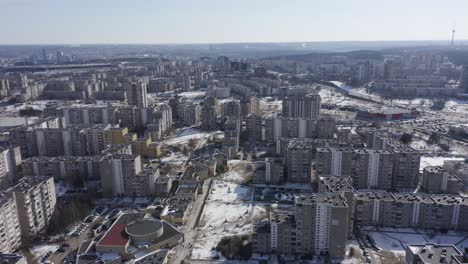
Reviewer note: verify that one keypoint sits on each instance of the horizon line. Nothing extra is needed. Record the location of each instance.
(221, 43)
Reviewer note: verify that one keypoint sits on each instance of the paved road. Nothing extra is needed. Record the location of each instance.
(184, 250)
(74, 242)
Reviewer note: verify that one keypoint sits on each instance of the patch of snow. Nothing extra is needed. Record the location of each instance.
(229, 192)
(435, 161)
(184, 136)
(41, 250)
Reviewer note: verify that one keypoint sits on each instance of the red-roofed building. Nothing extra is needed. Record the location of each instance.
(114, 241)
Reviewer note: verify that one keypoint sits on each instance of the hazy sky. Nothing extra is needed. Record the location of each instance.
(210, 21)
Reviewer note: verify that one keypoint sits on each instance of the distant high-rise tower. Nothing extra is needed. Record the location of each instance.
(44, 56)
(453, 37)
(224, 64)
(137, 94)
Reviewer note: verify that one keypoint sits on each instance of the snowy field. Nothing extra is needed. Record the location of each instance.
(229, 192)
(183, 136)
(239, 171)
(38, 105)
(435, 161)
(228, 211)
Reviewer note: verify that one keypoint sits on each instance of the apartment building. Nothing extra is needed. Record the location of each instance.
(435, 179)
(66, 168)
(343, 186)
(458, 169)
(299, 154)
(405, 165)
(50, 142)
(188, 113)
(369, 168)
(146, 148)
(302, 107)
(231, 108)
(208, 115)
(122, 175)
(318, 225)
(35, 201)
(254, 128)
(442, 212)
(274, 170)
(86, 115)
(281, 127)
(137, 94)
(336, 161)
(372, 169)
(10, 159)
(10, 232)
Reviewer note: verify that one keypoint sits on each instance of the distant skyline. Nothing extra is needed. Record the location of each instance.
(218, 21)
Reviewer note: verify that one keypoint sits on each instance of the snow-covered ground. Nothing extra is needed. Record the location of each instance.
(184, 135)
(228, 211)
(41, 250)
(175, 158)
(239, 171)
(422, 145)
(229, 192)
(435, 161)
(39, 105)
(193, 95)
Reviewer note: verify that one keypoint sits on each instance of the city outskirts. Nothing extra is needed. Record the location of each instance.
(184, 145)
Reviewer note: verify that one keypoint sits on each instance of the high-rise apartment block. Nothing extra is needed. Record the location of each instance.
(280, 127)
(137, 94)
(224, 64)
(369, 168)
(231, 108)
(318, 225)
(50, 142)
(188, 113)
(254, 128)
(10, 231)
(302, 107)
(122, 175)
(208, 115)
(299, 154)
(436, 179)
(35, 201)
(400, 210)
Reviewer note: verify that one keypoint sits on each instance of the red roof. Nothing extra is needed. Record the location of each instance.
(116, 236)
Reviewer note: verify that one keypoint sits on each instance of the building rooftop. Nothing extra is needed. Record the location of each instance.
(432, 253)
(411, 197)
(336, 183)
(335, 200)
(27, 183)
(450, 200)
(116, 236)
(301, 143)
(368, 196)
